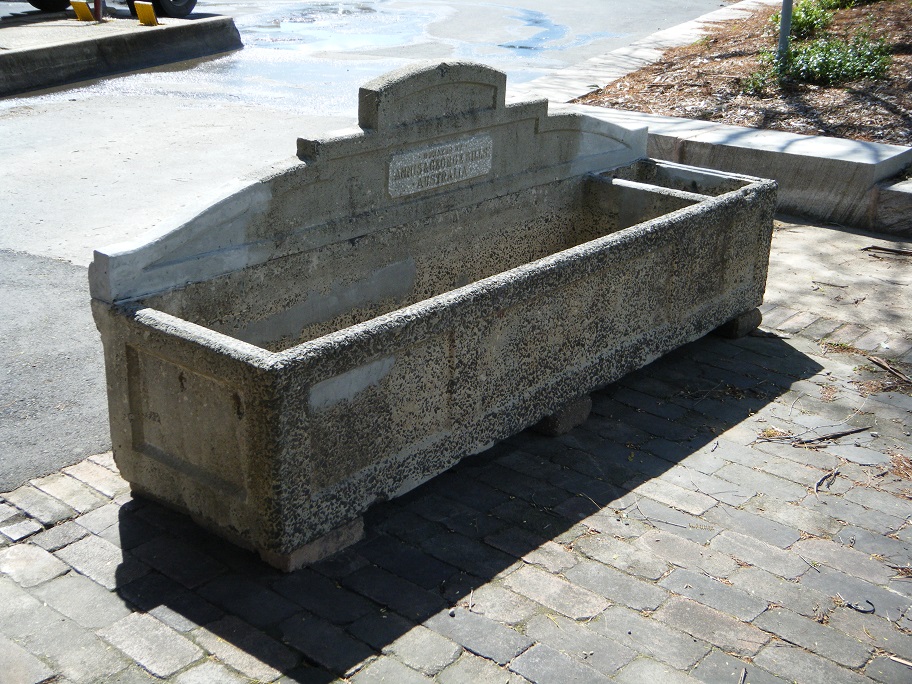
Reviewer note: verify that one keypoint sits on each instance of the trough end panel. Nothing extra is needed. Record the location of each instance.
(190, 426)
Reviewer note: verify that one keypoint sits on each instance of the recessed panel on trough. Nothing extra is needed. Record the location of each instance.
(191, 422)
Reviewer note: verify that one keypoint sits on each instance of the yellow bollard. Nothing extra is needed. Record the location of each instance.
(83, 13)
(145, 13)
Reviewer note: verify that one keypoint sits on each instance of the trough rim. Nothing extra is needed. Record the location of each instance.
(564, 266)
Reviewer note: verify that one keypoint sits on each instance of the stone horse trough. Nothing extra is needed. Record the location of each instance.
(404, 294)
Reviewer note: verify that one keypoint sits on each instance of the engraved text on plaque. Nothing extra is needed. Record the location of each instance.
(436, 165)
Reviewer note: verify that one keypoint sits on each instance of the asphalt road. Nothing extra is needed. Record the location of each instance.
(92, 164)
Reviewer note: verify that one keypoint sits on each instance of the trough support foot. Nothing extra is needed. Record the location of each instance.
(741, 325)
(323, 547)
(567, 417)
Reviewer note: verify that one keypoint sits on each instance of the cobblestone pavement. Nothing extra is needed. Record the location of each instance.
(696, 527)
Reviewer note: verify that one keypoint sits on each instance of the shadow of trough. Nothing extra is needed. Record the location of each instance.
(444, 555)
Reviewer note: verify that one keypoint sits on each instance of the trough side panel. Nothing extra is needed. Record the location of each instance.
(400, 399)
(336, 430)
(654, 293)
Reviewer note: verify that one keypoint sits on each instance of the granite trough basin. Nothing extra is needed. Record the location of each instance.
(394, 298)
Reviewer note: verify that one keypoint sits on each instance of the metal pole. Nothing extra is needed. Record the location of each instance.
(785, 28)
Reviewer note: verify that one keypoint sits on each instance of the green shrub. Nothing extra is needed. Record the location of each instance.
(842, 4)
(808, 19)
(756, 83)
(827, 61)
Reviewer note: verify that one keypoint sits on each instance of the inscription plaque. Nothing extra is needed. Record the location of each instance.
(436, 165)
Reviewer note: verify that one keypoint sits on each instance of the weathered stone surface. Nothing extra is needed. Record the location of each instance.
(248, 598)
(741, 325)
(731, 635)
(424, 650)
(29, 565)
(556, 593)
(7, 512)
(70, 491)
(772, 588)
(471, 668)
(813, 636)
(159, 649)
(401, 595)
(761, 482)
(88, 604)
(480, 635)
(894, 208)
(671, 494)
(41, 506)
(100, 519)
(755, 552)
(717, 488)
(542, 664)
(179, 561)
(845, 559)
(323, 597)
(362, 284)
(622, 555)
(721, 667)
(651, 637)
(797, 665)
(871, 630)
(502, 605)
(533, 549)
(74, 653)
(713, 593)
(753, 525)
(207, 673)
(888, 671)
(406, 561)
(649, 670)
(685, 553)
(246, 649)
(800, 517)
(59, 536)
(580, 643)
(324, 643)
(102, 561)
(385, 670)
(616, 586)
(18, 665)
(888, 604)
(678, 523)
(98, 477)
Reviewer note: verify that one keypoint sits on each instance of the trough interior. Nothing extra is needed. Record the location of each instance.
(302, 296)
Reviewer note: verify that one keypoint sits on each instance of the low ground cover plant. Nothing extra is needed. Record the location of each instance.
(855, 83)
(815, 57)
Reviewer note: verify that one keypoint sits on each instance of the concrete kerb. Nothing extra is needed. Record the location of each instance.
(838, 181)
(59, 51)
